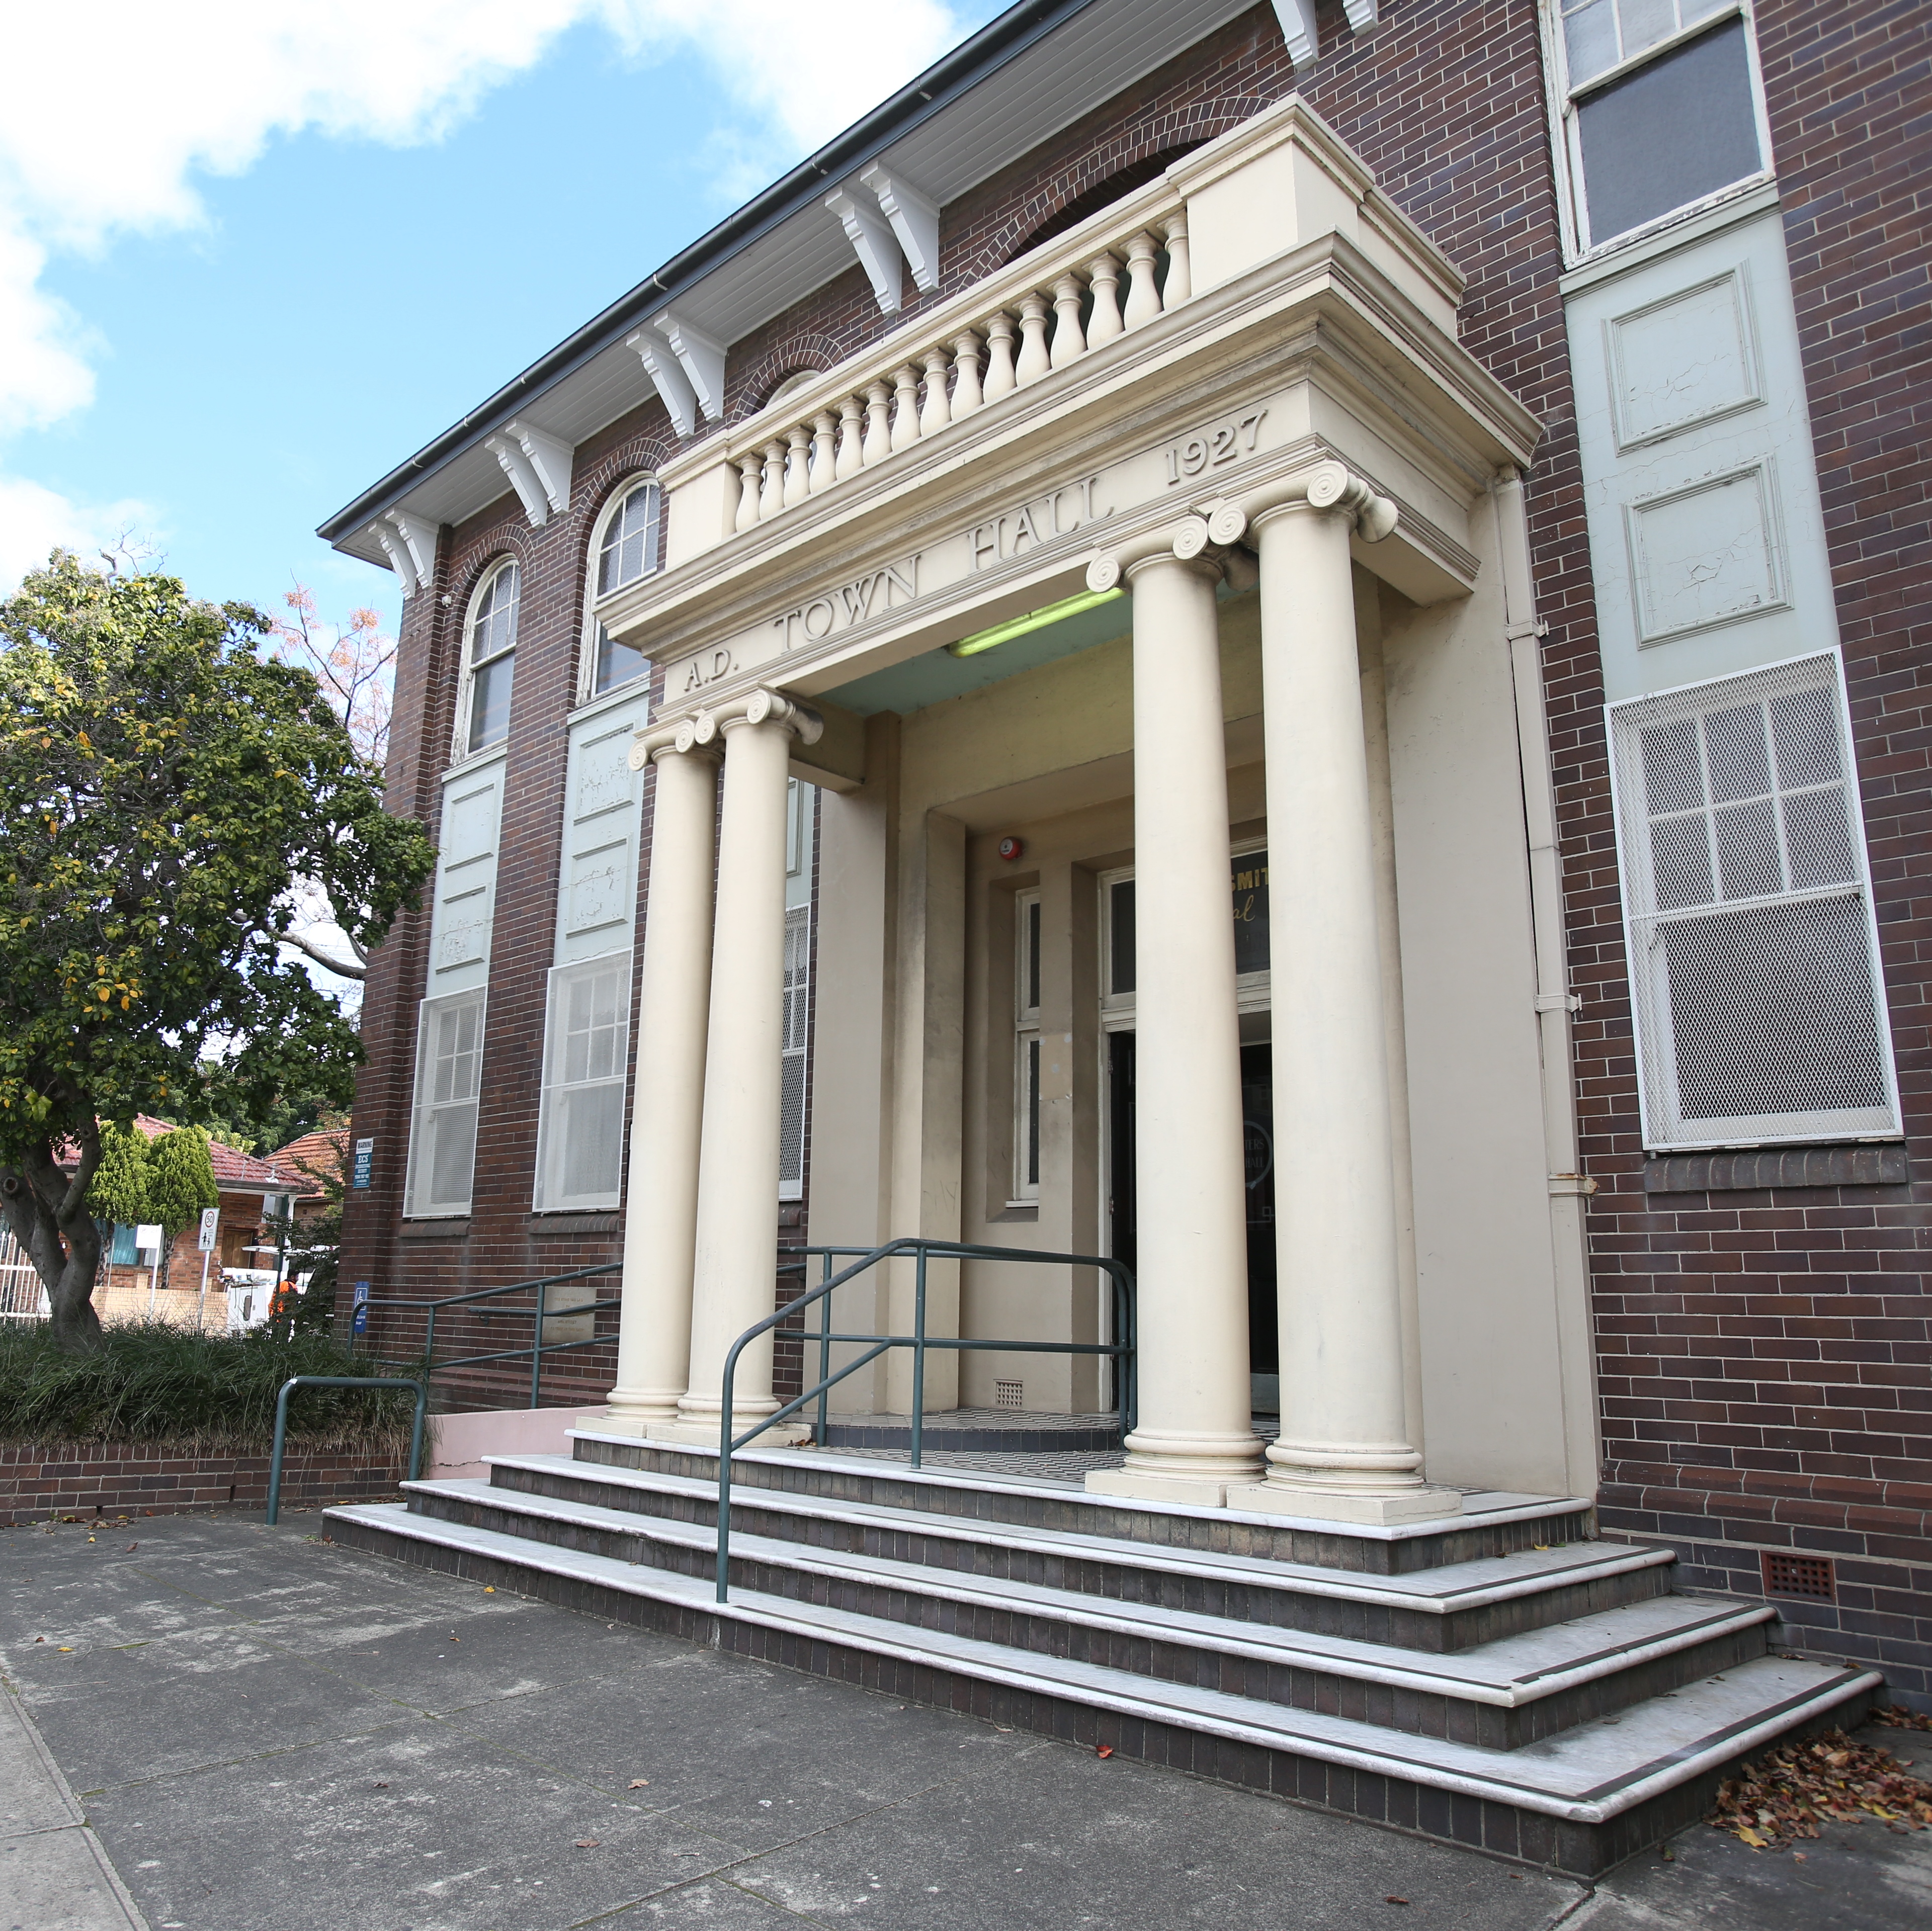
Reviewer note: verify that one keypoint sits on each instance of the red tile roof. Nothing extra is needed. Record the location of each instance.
(318, 1154)
(235, 1170)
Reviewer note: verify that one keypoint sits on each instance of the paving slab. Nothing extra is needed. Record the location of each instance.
(267, 1730)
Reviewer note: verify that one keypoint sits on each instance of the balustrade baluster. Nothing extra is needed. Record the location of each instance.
(935, 412)
(905, 407)
(1143, 297)
(966, 393)
(825, 427)
(878, 444)
(797, 480)
(1180, 276)
(1034, 360)
(1104, 272)
(851, 434)
(1001, 378)
(1069, 343)
(749, 469)
(771, 498)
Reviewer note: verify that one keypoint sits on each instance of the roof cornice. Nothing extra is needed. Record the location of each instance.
(1001, 40)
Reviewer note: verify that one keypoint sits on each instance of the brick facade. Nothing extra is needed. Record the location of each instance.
(1763, 1352)
(66, 1481)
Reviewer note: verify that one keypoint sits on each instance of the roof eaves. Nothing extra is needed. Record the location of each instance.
(999, 41)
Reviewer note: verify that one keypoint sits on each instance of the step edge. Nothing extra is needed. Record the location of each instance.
(1737, 1741)
(1006, 1484)
(1286, 1647)
(1307, 1577)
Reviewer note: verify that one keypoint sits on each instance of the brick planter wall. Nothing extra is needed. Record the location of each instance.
(44, 1481)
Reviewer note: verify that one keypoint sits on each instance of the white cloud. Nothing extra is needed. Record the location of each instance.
(34, 519)
(113, 110)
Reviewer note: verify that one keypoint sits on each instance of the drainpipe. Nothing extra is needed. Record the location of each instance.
(1555, 1004)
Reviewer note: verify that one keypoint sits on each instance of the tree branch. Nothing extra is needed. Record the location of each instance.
(358, 969)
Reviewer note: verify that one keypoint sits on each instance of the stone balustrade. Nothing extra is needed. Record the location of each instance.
(1072, 309)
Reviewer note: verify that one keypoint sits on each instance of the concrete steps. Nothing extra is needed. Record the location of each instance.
(1552, 1703)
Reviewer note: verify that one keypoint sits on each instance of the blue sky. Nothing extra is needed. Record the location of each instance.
(288, 272)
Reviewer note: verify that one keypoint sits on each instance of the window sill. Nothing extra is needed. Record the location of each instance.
(455, 1229)
(601, 1220)
(1758, 1170)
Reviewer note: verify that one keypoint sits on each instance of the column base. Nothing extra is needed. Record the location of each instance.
(1183, 1491)
(635, 1421)
(1374, 1509)
(687, 1434)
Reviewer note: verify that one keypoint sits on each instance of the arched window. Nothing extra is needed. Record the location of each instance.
(626, 550)
(490, 647)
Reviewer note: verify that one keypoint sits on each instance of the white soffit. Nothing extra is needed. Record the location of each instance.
(1087, 60)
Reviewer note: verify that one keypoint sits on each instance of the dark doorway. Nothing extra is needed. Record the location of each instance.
(1257, 1136)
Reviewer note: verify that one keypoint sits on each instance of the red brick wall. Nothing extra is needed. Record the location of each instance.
(67, 1480)
(1765, 1354)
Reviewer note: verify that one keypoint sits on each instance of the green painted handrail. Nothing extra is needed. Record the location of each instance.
(295, 1381)
(1122, 1350)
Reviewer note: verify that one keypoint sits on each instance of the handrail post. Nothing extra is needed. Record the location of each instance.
(295, 1381)
(536, 1344)
(275, 1454)
(919, 1359)
(820, 1433)
(724, 1480)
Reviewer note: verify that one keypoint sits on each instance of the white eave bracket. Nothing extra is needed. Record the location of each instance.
(701, 359)
(915, 222)
(538, 465)
(672, 386)
(1297, 25)
(873, 242)
(410, 544)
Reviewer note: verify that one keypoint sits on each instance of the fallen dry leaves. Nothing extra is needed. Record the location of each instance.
(1787, 1792)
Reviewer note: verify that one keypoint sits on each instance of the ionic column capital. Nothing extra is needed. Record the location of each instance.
(764, 706)
(658, 742)
(1329, 487)
(1190, 542)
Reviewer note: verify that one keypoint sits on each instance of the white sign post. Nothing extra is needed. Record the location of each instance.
(150, 1237)
(210, 1219)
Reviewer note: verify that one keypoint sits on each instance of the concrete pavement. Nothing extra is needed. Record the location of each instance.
(266, 1731)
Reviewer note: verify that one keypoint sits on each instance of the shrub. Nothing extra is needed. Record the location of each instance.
(151, 1383)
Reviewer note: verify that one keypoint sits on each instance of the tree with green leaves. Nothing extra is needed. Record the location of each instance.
(163, 786)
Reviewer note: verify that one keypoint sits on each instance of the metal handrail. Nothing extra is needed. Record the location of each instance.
(1122, 1350)
(295, 1381)
(538, 1349)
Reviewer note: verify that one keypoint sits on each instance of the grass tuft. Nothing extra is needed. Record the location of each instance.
(150, 1383)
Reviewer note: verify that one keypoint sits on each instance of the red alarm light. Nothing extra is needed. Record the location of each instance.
(1011, 848)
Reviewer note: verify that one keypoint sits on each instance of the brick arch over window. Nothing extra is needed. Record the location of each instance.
(594, 486)
(810, 353)
(1133, 156)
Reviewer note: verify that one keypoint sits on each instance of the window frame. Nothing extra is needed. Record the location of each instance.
(1564, 100)
(795, 1042)
(546, 1195)
(588, 691)
(416, 1177)
(1029, 950)
(1664, 1128)
(461, 750)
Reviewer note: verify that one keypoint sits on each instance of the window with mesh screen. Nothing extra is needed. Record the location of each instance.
(1659, 108)
(580, 1121)
(491, 654)
(797, 996)
(1760, 1010)
(626, 551)
(449, 1070)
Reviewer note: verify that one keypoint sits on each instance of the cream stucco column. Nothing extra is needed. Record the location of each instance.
(1192, 1436)
(674, 1002)
(1343, 1452)
(736, 1258)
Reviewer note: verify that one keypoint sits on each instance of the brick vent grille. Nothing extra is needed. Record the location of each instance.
(1809, 1577)
(1009, 1394)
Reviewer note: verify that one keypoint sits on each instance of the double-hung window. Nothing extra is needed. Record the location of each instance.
(1026, 1048)
(449, 1069)
(580, 1141)
(1760, 1004)
(1659, 108)
(490, 650)
(626, 551)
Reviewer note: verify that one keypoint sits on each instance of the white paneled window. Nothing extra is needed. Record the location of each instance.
(625, 548)
(1026, 1048)
(1760, 1009)
(792, 1045)
(580, 1126)
(489, 660)
(1659, 108)
(442, 1138)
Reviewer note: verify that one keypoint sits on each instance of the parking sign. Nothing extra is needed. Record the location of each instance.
(210, 1219)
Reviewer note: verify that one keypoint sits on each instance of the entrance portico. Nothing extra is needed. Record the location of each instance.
(1276, 434)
